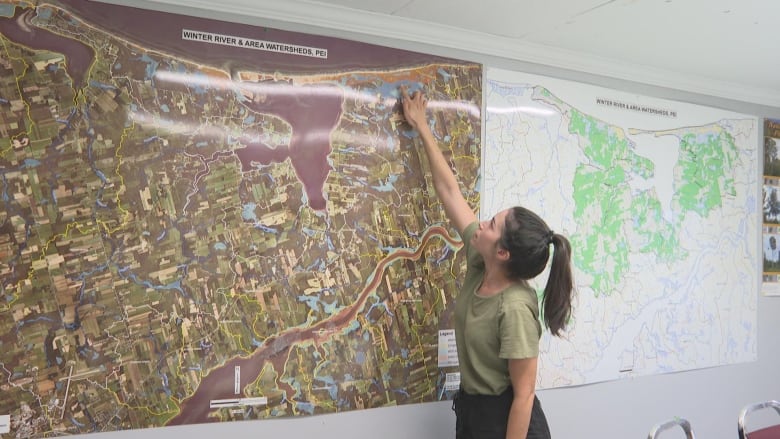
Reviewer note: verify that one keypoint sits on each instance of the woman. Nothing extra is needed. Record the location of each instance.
(497, 327)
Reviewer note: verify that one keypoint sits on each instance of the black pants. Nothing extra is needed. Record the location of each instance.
(486, 416)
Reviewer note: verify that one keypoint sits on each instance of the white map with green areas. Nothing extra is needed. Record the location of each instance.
(660, 200)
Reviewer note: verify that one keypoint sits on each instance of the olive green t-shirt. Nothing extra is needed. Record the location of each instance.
(491, 330)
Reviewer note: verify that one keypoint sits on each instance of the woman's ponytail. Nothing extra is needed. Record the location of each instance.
(556, 301)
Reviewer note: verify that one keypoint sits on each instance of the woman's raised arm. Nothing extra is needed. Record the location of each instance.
(447, 188)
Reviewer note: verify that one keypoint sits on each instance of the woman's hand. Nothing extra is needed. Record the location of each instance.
(444, 182)
(414, 108)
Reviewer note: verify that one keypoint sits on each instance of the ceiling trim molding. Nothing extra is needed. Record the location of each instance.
(405, 29)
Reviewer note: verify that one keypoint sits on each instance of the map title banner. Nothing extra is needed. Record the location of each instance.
(636, 107)
(268, 46)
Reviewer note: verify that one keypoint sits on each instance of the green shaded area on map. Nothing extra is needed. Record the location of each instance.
(610, 212)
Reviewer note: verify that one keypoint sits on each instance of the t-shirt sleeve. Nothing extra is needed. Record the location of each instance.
(472, 256)
(519, 331)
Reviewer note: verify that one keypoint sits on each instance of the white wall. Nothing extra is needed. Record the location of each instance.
(710, 399)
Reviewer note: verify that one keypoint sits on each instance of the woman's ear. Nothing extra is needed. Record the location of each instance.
(503, 254)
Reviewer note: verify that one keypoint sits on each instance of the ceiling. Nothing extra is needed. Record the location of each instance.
(724, 48)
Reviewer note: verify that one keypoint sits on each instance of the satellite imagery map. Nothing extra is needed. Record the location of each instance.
(208, 221)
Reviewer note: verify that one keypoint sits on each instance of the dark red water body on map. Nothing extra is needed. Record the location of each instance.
(20, 30)
(312, 116)
(219, 383)
(313, 113)
(163, 31)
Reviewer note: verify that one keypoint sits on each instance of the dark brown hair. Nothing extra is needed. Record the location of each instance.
(527, 238)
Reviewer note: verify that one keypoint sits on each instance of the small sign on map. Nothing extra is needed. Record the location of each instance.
(452, 381)
(5, 424)
(448, 350)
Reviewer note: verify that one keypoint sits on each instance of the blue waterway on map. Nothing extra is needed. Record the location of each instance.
(162, 235)
(353, 325)
(240, 97)
(445, 75)
(30, 163)
(75, 422)
(101, 85)
(359, 181)
(318, 265)
(404, 353)
(444, 255)
(101, 175)
(392, 88)
(249, 119)
(220, 246)
(248, 213)
(409, 134)
(151, 66)
(165, 108)
(266, 228)
(84, 351)
(150, 139)
(330, 383)
(91, 135)
(314, 302)
(379, 304)
(7, 10)
(83, 278)
(360, 357)
(21, 323)
(388, 185)
(331, 308)
(306, 407)
(165, 384)
(402, 392)
(45, 14)
(175, 285)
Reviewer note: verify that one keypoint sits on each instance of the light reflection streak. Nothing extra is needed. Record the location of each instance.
(537, 111)
(174, 127)
(264, 88)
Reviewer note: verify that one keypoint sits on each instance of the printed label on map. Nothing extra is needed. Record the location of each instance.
(249, 43)
(448, 350)
(237, 380)
(5, 424)
(452, 381)
(237, 402)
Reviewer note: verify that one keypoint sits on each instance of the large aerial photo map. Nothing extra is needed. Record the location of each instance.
(208, 221)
